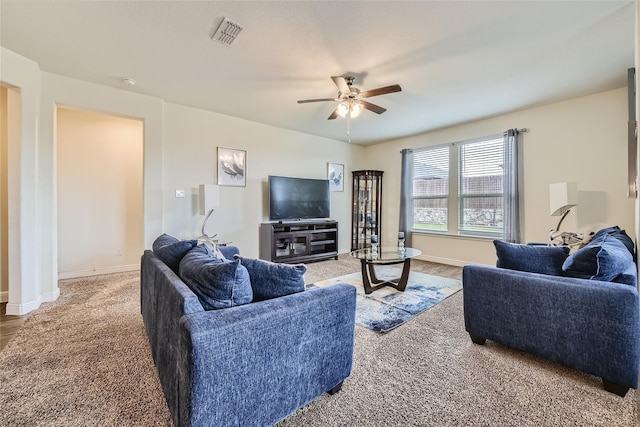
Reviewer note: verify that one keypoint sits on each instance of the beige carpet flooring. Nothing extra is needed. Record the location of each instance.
(84, 360)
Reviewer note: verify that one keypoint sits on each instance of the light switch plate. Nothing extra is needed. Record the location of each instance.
(180, 193)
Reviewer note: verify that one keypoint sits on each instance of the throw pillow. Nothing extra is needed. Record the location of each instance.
(171, 250)
(531, 258)
(229, 251)
(162, 240)
(619, 234)
(605, 259)
(217, 283)
(271, 280)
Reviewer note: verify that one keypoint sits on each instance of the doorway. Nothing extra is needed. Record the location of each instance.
(99, 192)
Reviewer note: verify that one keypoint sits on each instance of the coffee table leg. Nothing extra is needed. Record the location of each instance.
(406, 269)
(365, 277)
(372, 275)
(369, 277)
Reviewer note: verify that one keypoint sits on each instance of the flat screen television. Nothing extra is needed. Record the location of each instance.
(298, 198)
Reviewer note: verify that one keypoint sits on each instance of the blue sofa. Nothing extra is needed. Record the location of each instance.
(581, 310)
(251, 364)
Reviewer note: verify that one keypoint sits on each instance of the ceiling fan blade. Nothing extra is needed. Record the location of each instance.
(333, 115)
(304, 101)
(342, 84)
(380, 91)
(373, 107)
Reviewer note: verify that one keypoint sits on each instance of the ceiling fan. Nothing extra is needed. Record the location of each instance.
(352, 99)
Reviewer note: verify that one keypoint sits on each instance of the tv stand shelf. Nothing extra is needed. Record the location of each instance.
(299, 241)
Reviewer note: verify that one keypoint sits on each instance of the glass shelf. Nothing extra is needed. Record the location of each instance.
(367, 199)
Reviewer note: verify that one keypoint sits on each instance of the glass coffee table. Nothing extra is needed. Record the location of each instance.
(384, 256)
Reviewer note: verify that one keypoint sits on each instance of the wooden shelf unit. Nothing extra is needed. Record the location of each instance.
(299, 241)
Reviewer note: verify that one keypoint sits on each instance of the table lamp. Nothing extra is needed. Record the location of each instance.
(562, 197)
(209, 198)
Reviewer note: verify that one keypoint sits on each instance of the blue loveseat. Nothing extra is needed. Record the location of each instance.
(581, 310)
(251, 358)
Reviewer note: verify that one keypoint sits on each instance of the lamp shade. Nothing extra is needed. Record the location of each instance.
(562, 197)
(209, 196)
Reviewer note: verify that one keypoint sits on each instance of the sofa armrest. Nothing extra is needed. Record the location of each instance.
(265, 359)
(590, 325)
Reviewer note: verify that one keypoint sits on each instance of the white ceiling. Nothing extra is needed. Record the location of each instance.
(456, 61)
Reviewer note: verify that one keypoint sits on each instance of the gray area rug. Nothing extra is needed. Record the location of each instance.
(84, 360)
(387, 308)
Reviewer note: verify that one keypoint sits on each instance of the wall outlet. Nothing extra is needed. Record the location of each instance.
(180, 193)
(119, 252)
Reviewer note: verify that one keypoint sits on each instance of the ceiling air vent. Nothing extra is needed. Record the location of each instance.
(227, 32)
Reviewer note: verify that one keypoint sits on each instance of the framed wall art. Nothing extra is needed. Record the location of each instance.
(335, 175)
(232, 167)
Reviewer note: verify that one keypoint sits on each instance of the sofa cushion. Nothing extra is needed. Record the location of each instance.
(531, 258)
(217, 283)
(171, 250)
(271, 280)
(619, 234)
(605, 258)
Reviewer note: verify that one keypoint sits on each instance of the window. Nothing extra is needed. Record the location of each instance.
(458, 188)
(431, 189)
(480, 178)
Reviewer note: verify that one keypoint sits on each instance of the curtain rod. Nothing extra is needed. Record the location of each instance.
(521, 130)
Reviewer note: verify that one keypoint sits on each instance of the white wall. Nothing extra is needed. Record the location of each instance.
(30, 283)
(4, 228)
(100, 194)
(180, 153)
(191, 140)
(73, 93)
(581, 140)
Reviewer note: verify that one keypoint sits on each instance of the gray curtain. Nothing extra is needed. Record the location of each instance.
(510, 187)
(406, 186)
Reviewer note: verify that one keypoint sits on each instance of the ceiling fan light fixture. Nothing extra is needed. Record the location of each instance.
(356, 109)
(343, 109)
(351, 99)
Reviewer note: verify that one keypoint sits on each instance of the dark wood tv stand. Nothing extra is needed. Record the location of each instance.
(299, 241)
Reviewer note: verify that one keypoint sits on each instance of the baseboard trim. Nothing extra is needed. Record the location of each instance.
(440, 260)
(20, 309)
(97, 271)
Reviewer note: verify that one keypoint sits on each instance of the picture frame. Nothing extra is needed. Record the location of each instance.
(232, 167)
(335, 175)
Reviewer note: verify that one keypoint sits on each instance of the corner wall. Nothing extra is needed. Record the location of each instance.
(29, 284)
(4, 229)
(582, 140)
